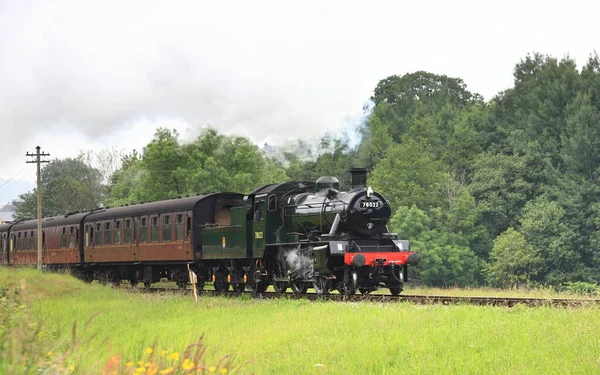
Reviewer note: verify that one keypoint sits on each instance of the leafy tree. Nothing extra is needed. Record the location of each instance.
(535, 108)
(376, 139)
(502, 184)
(513, 262)
(581, 139)
(67, 185)
(409, 175)
(543, 228)
(444, 261)
(419, 93)
(213, 162)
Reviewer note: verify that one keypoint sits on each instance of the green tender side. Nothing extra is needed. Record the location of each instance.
(224, 242)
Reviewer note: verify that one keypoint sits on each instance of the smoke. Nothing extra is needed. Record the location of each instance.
(92, 71)
(299, 262)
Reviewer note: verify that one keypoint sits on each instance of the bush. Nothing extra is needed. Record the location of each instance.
(581, 288)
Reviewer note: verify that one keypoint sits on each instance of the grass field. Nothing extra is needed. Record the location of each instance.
(295, 336)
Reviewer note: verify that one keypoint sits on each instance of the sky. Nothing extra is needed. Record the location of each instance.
(88, 75)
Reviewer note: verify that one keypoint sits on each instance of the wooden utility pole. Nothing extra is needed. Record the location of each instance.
(39, 162)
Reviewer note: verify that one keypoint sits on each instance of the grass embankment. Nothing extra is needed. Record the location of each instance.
(298, 337)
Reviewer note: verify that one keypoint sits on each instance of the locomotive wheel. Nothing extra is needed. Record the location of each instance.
(221, 286)
(259, 287)
(350, 288)
(321, 285)
(395, 290)
(280, 286)
(298, 287)
(239, 287)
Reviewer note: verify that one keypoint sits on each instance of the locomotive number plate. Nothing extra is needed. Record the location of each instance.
(368, 204)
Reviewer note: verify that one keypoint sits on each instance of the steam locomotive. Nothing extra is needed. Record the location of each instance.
(291, 235)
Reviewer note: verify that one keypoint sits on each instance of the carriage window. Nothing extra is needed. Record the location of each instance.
(127, 236)
(272, 203)
(167, 228)
(189, 227)
(89, 235)
(63, 238)
(32, 245)
(25, 241)
(98, 235)
(107, 233)
(144, 230)
(117, 232)
(154, 229)
(18, 242)
(72, 237)
(179, 228)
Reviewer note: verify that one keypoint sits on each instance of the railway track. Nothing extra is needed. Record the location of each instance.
(415, 299)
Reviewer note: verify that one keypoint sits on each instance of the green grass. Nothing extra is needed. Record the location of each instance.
(292, 336)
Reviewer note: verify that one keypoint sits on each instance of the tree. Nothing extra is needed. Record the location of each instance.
(444, 262)
(409, 175)
(376, 139)
(543, 228)
(513, 262)
(581, 138)
(68, 185)
(535, 108)
(416, 94)
(213, 162)
(502, 184)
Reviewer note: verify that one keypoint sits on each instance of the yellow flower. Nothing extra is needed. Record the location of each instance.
(129, 364)
(147, 364)
(224, 370)
(149, 350)
(187, 364)
(212, 369)
(163, 352)
(50, 354)
(72, 368)
(140, 363)
(166, 371)
(174, 356)
(140, 370)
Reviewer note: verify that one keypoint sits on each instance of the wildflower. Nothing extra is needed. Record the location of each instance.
(174, 356)
(166, 371)
(187, 364)
(71, 368)
(140, 370)
(140, 363)
(50, 354)
(163, 352)
(128, 364)
(224, 370)
(212, 369)
(149, 350)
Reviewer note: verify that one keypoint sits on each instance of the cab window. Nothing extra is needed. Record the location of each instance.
(259, 210)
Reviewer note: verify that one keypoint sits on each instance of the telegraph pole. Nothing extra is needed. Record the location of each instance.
(39, 162)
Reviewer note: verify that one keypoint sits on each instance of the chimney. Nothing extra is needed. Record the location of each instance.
(359, 177)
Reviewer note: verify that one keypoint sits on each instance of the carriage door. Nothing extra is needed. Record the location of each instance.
(258, 235)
